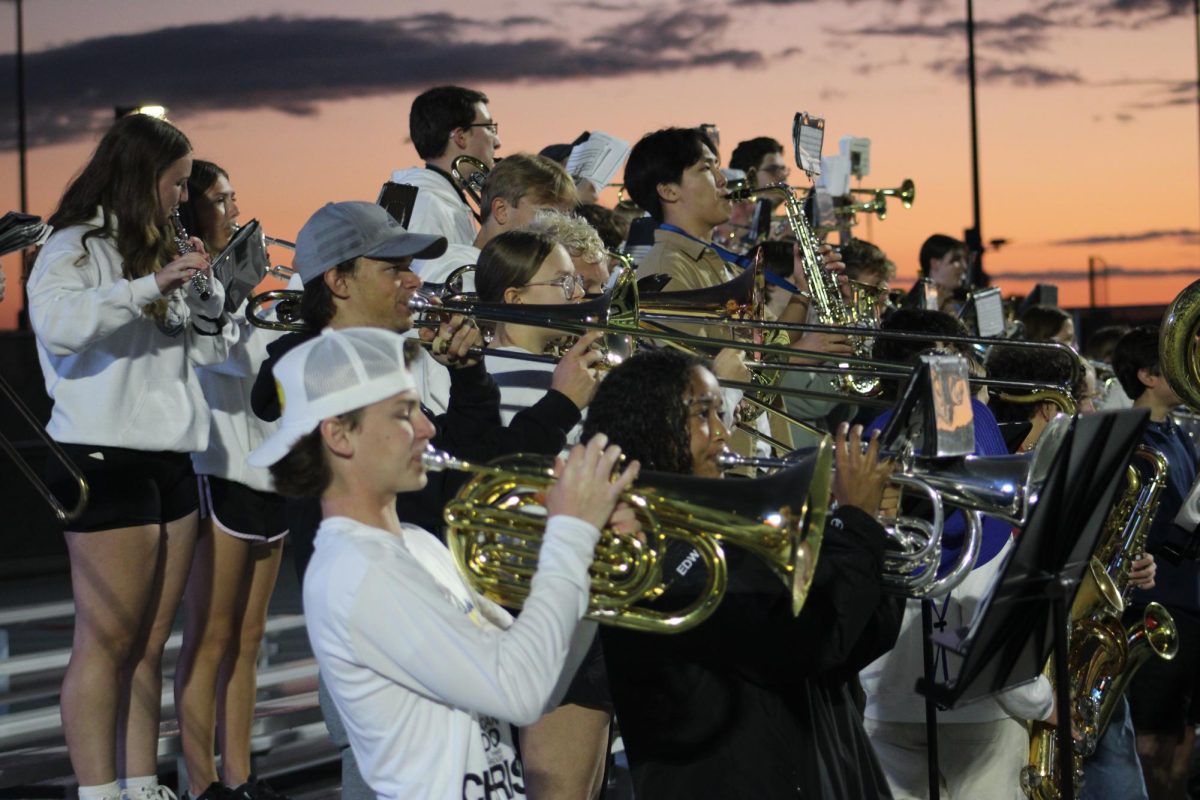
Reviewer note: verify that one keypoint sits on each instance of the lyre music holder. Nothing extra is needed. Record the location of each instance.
(1023, 619)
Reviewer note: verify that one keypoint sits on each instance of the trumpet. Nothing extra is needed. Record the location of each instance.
(496, 522)
(876, 206)
(906, 192)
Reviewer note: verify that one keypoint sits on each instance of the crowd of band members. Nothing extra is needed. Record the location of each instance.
(184, 418)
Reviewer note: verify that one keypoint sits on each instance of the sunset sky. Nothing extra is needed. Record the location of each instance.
(1088, 115)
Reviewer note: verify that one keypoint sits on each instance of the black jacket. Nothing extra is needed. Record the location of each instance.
(754, 702)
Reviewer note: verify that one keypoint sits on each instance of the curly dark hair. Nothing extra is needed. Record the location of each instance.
(1016, 364)
(641, 406)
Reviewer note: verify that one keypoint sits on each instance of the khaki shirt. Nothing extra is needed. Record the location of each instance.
(695, 265)
(691, 264)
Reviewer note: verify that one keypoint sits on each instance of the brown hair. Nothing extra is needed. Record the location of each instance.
(511, 259)
(121, 179)
(541, 179)
(305, 471)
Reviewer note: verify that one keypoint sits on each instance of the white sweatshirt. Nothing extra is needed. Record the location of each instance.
(889, 681)
(236, 429)
(438, 208)
(115, 378)
(425, 673)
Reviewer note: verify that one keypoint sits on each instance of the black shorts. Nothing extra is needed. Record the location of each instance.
(589, 687)
(126, 488)
(240, 511)
(1164, 696)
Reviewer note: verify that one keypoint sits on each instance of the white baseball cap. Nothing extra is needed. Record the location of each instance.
(332, 374)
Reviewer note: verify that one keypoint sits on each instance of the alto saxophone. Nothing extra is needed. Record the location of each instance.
(827, 299)
(1103, 655)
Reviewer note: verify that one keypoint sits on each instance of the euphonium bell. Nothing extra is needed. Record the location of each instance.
(496, 522)
(1178, 350)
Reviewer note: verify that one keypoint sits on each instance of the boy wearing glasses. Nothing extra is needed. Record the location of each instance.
(444, 123)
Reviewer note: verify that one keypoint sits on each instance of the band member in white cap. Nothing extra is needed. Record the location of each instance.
(424, 671)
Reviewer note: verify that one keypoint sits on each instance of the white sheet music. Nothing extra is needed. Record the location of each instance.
(598, 159)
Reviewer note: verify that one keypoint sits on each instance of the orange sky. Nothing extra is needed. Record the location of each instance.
(1090, 150)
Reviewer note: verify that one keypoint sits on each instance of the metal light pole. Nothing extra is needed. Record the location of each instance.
(975, 235)
(22, 144)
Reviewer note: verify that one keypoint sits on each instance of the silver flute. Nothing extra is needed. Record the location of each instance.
(199, 280)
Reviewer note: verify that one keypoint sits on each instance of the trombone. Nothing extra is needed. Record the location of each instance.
(63, 513)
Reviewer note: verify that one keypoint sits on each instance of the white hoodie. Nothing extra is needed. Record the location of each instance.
(115, 377)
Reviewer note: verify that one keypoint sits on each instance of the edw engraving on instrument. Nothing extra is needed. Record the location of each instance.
(689, 561)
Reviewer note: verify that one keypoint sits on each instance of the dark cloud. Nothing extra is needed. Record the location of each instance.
(1025, 75)
(1019, 33)
(789, 52)
(527, 20)
(1154, 8)
(1068, 275)
(291, 64)
(1185, 234)
(599, 5)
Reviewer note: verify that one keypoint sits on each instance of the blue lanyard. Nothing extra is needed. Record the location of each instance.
(730, 257)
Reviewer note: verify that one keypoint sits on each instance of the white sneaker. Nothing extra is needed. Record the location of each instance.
(158, 792)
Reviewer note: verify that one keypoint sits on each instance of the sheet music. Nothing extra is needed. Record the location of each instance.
(598, 159)
(989, 312)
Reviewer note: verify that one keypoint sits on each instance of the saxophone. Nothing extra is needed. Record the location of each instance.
(1103, 655)
(827, 299)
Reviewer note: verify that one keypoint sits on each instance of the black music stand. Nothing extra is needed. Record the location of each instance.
(1024, 617)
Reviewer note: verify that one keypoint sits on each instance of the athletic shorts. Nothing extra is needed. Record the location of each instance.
(240, 511)
(126, 488)
(589, 687)
(1164, 696)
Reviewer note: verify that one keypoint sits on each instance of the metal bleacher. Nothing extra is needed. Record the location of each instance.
(289, 745)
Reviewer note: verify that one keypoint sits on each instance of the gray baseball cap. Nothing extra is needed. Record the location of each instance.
(343, 231)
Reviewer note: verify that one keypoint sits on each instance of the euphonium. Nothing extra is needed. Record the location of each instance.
(1178, 351)
(496, 522)
(823, 286)
(1103, 654)
(471, 178)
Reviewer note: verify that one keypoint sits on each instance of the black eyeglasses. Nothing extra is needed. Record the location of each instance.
(492, 127)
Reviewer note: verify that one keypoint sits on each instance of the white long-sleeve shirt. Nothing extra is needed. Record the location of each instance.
(115, 377)
(438, 209)
(425, 673)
